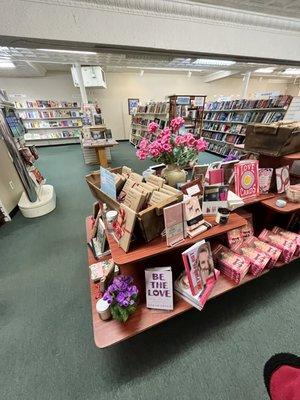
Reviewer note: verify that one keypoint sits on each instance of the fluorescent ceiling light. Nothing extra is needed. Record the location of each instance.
(163, 69)
(7, 64)
(68, 51)
(267, 70)
(207, 61)
(291, 71)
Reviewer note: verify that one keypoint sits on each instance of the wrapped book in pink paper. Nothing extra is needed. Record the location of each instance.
(238, 235)
(233, 265)
(288, 247)
(290, 236)
(272, 251)
(258, 259)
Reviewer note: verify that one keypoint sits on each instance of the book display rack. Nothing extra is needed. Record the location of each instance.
(50, 122)
(225, 122)
(152, 112)
(156, 252)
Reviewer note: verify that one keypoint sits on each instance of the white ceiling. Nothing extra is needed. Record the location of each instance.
(35, 62)
(283, 8)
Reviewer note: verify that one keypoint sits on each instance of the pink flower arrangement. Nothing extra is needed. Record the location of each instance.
(170, 147)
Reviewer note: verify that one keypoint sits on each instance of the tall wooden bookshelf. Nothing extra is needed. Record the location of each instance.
(225, 122)
(50, 122)
(191, 109)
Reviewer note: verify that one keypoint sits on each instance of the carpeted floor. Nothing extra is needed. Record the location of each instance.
(47, 349)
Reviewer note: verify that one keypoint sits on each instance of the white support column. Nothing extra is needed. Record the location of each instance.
(245, 84)
(81, 84)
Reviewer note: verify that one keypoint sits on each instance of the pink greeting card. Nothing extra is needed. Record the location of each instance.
(282, 179)
(246, 178)
(265, 177)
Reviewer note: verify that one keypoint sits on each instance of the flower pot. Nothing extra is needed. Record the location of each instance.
(173, 175)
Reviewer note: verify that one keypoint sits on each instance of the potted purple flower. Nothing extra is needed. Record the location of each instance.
(122, 296)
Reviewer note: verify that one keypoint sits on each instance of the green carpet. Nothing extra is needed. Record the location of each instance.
(47, 348)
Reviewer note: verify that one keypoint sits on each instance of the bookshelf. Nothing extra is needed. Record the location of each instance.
(50, 122)
(191, 109)
(152, 112)
(225, 122)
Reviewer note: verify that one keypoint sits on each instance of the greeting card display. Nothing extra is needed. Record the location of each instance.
(159, 288)
(198, 264)
(246, 178)
(282, 179)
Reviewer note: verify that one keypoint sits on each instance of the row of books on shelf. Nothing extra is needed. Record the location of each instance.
(203, 264)
(224, 137)
(281, 101)
(162, 123)
(239, 129)
(53, 135)
(53, 124)
(246, 117)
(49, 114)
(188, 112)
(161, 107)
(47, 104)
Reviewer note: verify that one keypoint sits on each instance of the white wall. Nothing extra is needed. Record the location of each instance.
(121, 86)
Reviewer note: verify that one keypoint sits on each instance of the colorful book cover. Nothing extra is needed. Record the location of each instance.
(182, 289)
(174, 224)
(246, 178)
(198, 264)
(265, 177)
(288, 247)
(290, 236)
(272, 251)
(258, 259)
(233, 265)
(282, 179)
(216, 177)
(159, 288)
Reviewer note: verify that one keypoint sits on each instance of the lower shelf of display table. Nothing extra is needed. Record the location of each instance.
(107, 333)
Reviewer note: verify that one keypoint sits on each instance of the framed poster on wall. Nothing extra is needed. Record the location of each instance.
(132, 105)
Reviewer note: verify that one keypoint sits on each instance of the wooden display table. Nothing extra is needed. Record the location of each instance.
(100, 148)
(289, 208)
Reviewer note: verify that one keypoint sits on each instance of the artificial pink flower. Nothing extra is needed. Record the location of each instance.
(165, 139)
(167, 147)
(201, 145)
(166, 131)
(176, 123)
(152, 127)
(191, 141)
(141, 154)
(144, 144)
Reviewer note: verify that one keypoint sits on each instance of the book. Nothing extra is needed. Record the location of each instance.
(290, 236)
(258, 259)
(193, 217)
(288, 247)
(198, 264)
(100, 241)
(216, 177)
(272, 251)
(265, 177)
(282, 178)
(246, 178)
(182, 289)
(174, 224)
(159, 288)
(102, 272)
(233, 265)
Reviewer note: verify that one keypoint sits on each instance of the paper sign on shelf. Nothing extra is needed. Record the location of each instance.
(108, 184)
